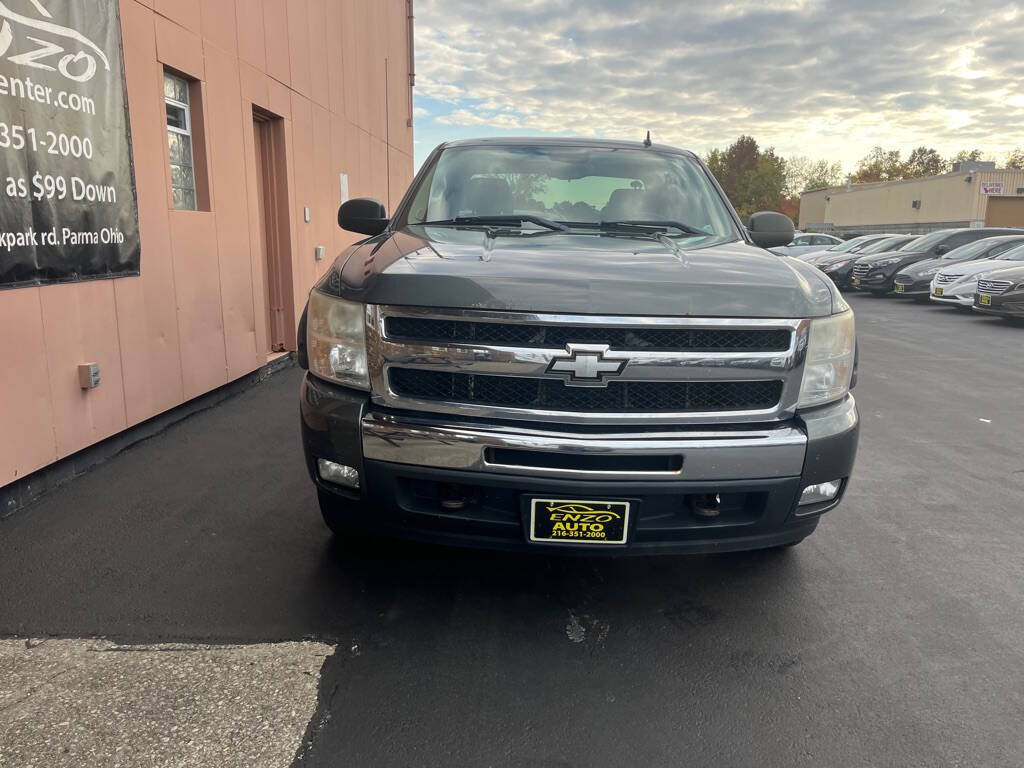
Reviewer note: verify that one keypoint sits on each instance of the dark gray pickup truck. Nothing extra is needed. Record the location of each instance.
(575, 345)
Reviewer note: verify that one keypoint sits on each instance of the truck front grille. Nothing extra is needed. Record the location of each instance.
(554, 395)
(494, 364)
(431, 330)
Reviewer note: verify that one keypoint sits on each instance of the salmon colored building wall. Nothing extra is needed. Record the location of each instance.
(195, 319)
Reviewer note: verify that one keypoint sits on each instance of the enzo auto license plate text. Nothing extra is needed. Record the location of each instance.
(985, 300)
(579, 522)
(938, 291)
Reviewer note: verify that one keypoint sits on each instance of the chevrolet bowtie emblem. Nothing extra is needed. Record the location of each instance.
(587, 365)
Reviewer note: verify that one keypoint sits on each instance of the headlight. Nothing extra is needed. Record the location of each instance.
(828, 366)
(837, 265)
(930, 272)
(336, 340)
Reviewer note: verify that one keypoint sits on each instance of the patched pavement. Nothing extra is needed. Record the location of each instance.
(93, 702)
(890, 637)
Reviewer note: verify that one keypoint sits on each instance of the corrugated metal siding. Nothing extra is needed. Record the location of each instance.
(950, 200)
(1012, 181)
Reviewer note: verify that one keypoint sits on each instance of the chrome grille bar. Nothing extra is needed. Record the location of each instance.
(644, 365)
(994, 287)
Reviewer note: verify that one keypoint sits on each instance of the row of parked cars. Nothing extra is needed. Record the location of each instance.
(980, 268)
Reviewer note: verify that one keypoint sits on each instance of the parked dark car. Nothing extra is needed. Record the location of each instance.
(916, 280)
(1001, 293)
(839, 266)
(875, 274)
(603, 360)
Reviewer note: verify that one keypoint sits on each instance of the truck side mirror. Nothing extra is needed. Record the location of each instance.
(769, 229)
(364, 215)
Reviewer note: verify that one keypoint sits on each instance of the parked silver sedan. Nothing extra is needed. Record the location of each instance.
(957, 283)
(853, 245)
(806, 243)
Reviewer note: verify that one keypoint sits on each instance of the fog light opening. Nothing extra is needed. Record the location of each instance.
(453, 496)
(707, 505)
(815, 494)
(338, 474)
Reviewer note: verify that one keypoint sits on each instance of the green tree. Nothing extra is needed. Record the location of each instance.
(1015, 159)
(803, 174)
(924, 161)
(967, 156)
(753, 180)
(879, 164)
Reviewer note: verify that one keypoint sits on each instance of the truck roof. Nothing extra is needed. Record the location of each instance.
(565, 141)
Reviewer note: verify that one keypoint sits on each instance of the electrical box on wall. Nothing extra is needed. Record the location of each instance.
(89, 375)
(320, 252)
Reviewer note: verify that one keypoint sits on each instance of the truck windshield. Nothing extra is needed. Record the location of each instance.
(572, 185)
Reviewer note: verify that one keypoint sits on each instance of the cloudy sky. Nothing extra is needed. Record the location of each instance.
(822, 79)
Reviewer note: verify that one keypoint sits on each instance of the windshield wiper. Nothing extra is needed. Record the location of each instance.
(645, 225)
(497, 220)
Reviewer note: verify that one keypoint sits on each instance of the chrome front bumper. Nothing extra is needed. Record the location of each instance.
(715, 454)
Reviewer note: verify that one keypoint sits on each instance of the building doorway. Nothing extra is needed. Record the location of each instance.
(275, 238)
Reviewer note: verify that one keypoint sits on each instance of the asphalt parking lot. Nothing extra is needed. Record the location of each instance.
(890, 637)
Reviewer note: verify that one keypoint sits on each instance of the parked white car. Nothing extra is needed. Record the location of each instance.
(806, 243)
(957, 283)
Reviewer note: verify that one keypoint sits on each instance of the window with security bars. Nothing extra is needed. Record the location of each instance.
(179, 140)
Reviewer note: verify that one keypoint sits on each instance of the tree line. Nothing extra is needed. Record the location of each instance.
(758, 179)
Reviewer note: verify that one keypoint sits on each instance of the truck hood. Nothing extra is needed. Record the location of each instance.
(579, 273)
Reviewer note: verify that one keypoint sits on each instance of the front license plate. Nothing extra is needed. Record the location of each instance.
(938, 291)
(984, 300)
(856, 281)
(572, 521)
(899, 287)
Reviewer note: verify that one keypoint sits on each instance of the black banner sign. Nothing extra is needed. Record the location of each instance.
(67, 187)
